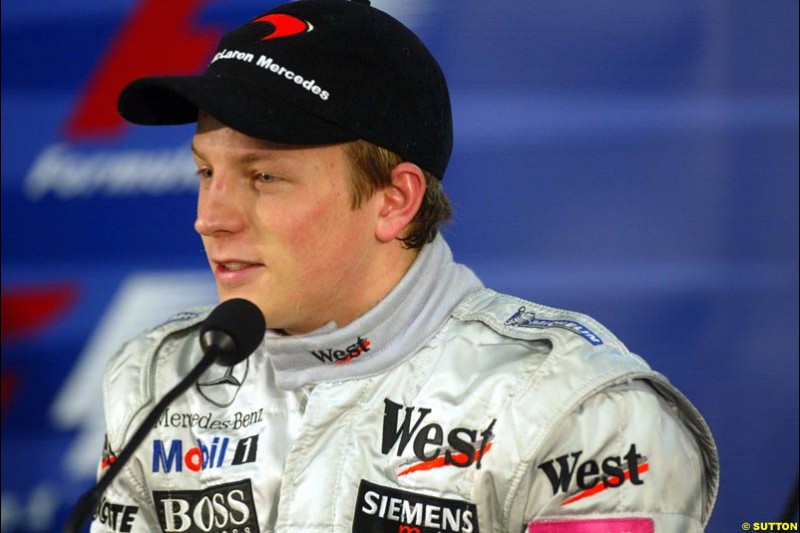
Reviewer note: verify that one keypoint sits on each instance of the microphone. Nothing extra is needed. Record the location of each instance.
(235, 328)
(230, 333)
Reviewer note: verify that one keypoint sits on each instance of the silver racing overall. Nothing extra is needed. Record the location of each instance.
(446, 408)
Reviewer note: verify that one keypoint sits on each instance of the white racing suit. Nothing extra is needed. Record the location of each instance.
(447, 408)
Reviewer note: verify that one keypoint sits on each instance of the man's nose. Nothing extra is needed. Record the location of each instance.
(219, 208)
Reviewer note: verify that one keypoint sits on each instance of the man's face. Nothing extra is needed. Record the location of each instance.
(278, 228)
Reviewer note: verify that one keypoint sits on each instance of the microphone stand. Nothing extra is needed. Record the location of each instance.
(90, 498)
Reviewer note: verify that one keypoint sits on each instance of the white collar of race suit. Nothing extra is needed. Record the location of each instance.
(392, 331)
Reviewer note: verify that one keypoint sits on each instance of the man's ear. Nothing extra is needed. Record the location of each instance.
(400, 201)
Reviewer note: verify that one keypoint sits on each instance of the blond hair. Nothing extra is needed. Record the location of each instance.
(373, 167)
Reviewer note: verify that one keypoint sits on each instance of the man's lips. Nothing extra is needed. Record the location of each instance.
(235, 270)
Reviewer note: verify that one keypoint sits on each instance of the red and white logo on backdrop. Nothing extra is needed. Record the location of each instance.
(157, 38)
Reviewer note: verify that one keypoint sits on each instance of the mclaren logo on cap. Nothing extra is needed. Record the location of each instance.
(285, 25)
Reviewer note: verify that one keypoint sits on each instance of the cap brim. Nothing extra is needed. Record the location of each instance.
(171, 100)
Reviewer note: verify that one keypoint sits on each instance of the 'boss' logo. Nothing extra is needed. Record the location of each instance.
(225, 508)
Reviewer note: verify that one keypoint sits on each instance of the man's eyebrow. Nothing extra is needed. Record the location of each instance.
(196, 152)
(246, 157)
(252, 157)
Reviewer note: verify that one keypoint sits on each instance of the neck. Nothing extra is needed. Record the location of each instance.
(372, 277)
(393, 329)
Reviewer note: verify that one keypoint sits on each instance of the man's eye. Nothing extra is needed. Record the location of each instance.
(205, 172)
(263, 177)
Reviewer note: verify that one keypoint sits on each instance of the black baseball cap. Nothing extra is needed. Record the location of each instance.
(314, 72)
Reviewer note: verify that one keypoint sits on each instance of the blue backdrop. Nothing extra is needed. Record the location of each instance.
(635, 160)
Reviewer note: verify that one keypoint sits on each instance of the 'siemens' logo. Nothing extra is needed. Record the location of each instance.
(382, 509)
(285, 25)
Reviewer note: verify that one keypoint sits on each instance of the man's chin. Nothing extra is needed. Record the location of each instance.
(274, 316)
(230, 295)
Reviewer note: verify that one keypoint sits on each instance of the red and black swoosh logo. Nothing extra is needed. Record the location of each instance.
(440, 461)
(285, 25)
(600, 486)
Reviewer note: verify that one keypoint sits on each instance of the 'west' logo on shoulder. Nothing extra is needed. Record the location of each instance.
(593, 477)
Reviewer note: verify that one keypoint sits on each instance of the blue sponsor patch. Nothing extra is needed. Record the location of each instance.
(528, 319)
(184, 315)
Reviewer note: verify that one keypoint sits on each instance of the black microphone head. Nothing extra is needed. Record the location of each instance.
(236, 328)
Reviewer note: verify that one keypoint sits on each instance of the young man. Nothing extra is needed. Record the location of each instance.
(392, 391)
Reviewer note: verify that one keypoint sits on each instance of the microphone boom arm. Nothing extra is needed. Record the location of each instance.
(229, 334)
(90, 498)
